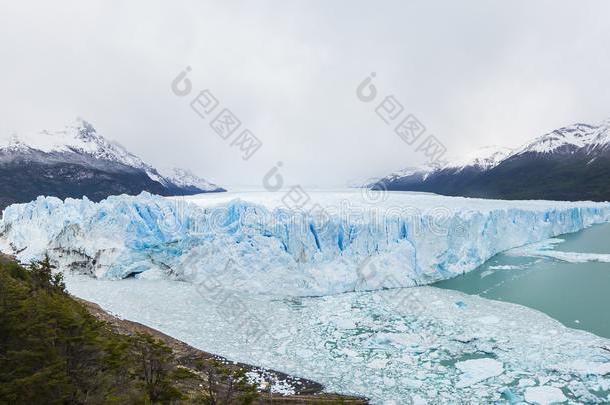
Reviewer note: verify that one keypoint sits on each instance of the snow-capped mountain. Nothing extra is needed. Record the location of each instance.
(570, 163)
(414, 178)
(186, 179)
(80, 138)
(570, 139)
(484, 158)
(77, 161)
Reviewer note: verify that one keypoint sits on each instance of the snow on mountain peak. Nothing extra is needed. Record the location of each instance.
(576, 136)
(82, 138)
(484, 158)
(186, 178)
(78, 137)
(495, 172)
(422, 170)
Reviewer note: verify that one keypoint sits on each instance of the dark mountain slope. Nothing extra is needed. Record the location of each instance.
(571, 163)
(77, 162)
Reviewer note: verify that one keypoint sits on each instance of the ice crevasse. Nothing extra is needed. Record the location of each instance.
(252, 242)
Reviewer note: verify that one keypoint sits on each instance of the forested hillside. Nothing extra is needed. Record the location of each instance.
(53, 351)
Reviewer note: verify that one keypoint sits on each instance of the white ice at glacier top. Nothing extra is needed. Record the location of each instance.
(251, 241)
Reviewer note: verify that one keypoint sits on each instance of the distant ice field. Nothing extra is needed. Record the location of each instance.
(366, 199)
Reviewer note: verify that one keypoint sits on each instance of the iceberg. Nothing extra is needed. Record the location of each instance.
(256, 242)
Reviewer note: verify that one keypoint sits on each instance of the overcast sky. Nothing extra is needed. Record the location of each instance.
(475, 73)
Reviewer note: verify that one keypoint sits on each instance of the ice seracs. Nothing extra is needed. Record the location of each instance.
(252, 242)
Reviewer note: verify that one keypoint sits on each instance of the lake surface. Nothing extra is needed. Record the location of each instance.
(571, 287)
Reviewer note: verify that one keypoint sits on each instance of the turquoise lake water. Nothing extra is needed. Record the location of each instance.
(576, 294)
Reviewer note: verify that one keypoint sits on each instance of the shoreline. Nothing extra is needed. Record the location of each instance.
(304, 391)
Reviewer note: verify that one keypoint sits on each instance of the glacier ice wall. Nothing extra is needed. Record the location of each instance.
(243, 245)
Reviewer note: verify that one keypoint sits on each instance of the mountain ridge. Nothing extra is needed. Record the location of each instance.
(77, 161)
(570, 163)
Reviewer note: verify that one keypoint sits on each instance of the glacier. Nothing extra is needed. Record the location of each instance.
(310, 291)
(341, 241)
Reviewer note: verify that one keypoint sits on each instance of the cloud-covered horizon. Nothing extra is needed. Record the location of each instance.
(475, 73)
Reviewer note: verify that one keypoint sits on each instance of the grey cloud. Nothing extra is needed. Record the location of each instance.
(475, 72)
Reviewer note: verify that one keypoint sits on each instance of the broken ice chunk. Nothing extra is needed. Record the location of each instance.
(478, 370)
(544, 395)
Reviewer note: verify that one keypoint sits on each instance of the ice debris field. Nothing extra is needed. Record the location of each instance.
(305, 292)
(403, 346)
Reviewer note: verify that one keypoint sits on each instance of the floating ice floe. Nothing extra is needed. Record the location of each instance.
(544, 395)
(477, 370)
(505, 267)
(546, 249)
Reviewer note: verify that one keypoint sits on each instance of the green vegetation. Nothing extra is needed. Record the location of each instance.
(53, 351)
